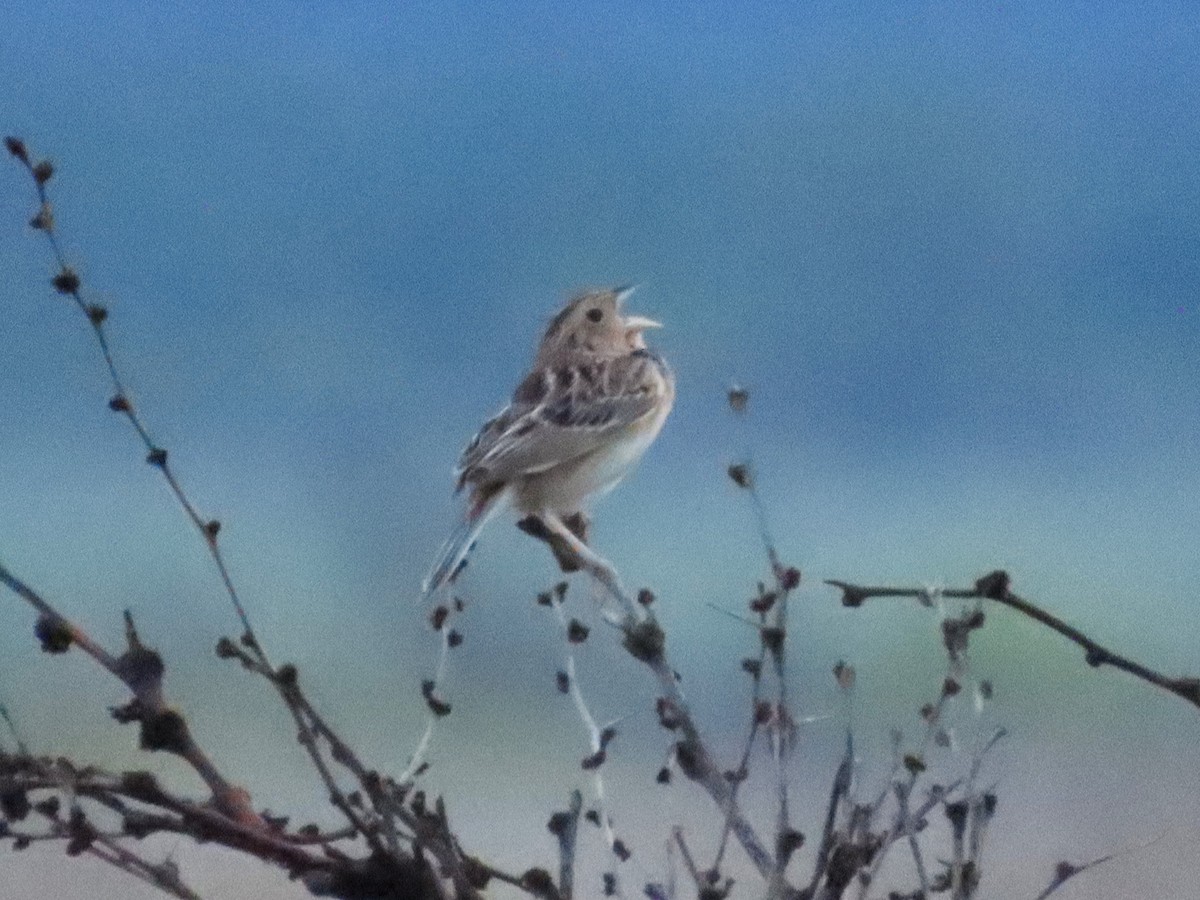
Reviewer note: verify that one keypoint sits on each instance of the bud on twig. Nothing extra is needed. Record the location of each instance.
(43, 171)
(66, 281)
(739, 473)
(16, 147)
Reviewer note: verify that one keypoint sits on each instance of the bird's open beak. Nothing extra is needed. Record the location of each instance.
(640, 323)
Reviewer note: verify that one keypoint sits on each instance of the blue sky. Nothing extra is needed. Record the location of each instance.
(951, 248)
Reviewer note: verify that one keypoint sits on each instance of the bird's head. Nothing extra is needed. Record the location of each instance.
(594, 323)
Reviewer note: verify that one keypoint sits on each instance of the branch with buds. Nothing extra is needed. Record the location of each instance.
(995, 587)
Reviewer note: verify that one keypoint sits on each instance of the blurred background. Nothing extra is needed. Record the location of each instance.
(951, 249)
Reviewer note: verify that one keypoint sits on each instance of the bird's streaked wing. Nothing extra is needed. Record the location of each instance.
(560, 414)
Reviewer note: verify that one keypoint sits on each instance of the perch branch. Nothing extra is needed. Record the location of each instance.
(645, 641)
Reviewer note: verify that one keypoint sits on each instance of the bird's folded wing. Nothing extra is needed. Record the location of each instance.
(560, 414)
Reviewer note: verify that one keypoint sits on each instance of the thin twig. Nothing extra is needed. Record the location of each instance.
(67, 282)
(566, 829)
(22, 748)
(774, 639)
(994, 587)
(598, 741)
(743, 769)
(141, 670)
(106, 847)
(646, 642)
(837, 793)
(434, 711)
(903, 816)
(1065, 871)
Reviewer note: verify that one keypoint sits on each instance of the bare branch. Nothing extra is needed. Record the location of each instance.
(645, 641)
(565, 827)
(141, 670)
(994, 587)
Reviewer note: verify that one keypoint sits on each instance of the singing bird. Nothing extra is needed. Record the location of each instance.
(594, 400)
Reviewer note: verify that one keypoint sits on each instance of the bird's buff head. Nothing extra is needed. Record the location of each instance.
(593, 323)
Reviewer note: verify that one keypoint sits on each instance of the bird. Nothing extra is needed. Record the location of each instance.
(592, 403)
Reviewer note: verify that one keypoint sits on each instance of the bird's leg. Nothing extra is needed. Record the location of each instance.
(585, 558)
(567, 559)
(579, 525)
(564, 554)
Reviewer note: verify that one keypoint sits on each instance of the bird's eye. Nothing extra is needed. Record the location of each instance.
(595, 315)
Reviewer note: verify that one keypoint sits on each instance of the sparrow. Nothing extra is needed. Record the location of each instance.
(592, 403)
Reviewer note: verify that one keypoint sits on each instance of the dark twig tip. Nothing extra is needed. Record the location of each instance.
(739, 474)
(559, 823)
(787, 843)
(1064, 870)
(14, 804)
(852, 595)
(594, 761)
(763, 602)
(957, 814)
(119, 404)
(157, 457)
(538, 882)
(1188, 688)
(789, 578)
(577, 632)
(16, 147)
(993, 585)
(54, 634)
(738, 398)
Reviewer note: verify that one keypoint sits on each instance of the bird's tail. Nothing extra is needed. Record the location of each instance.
(454, 552)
